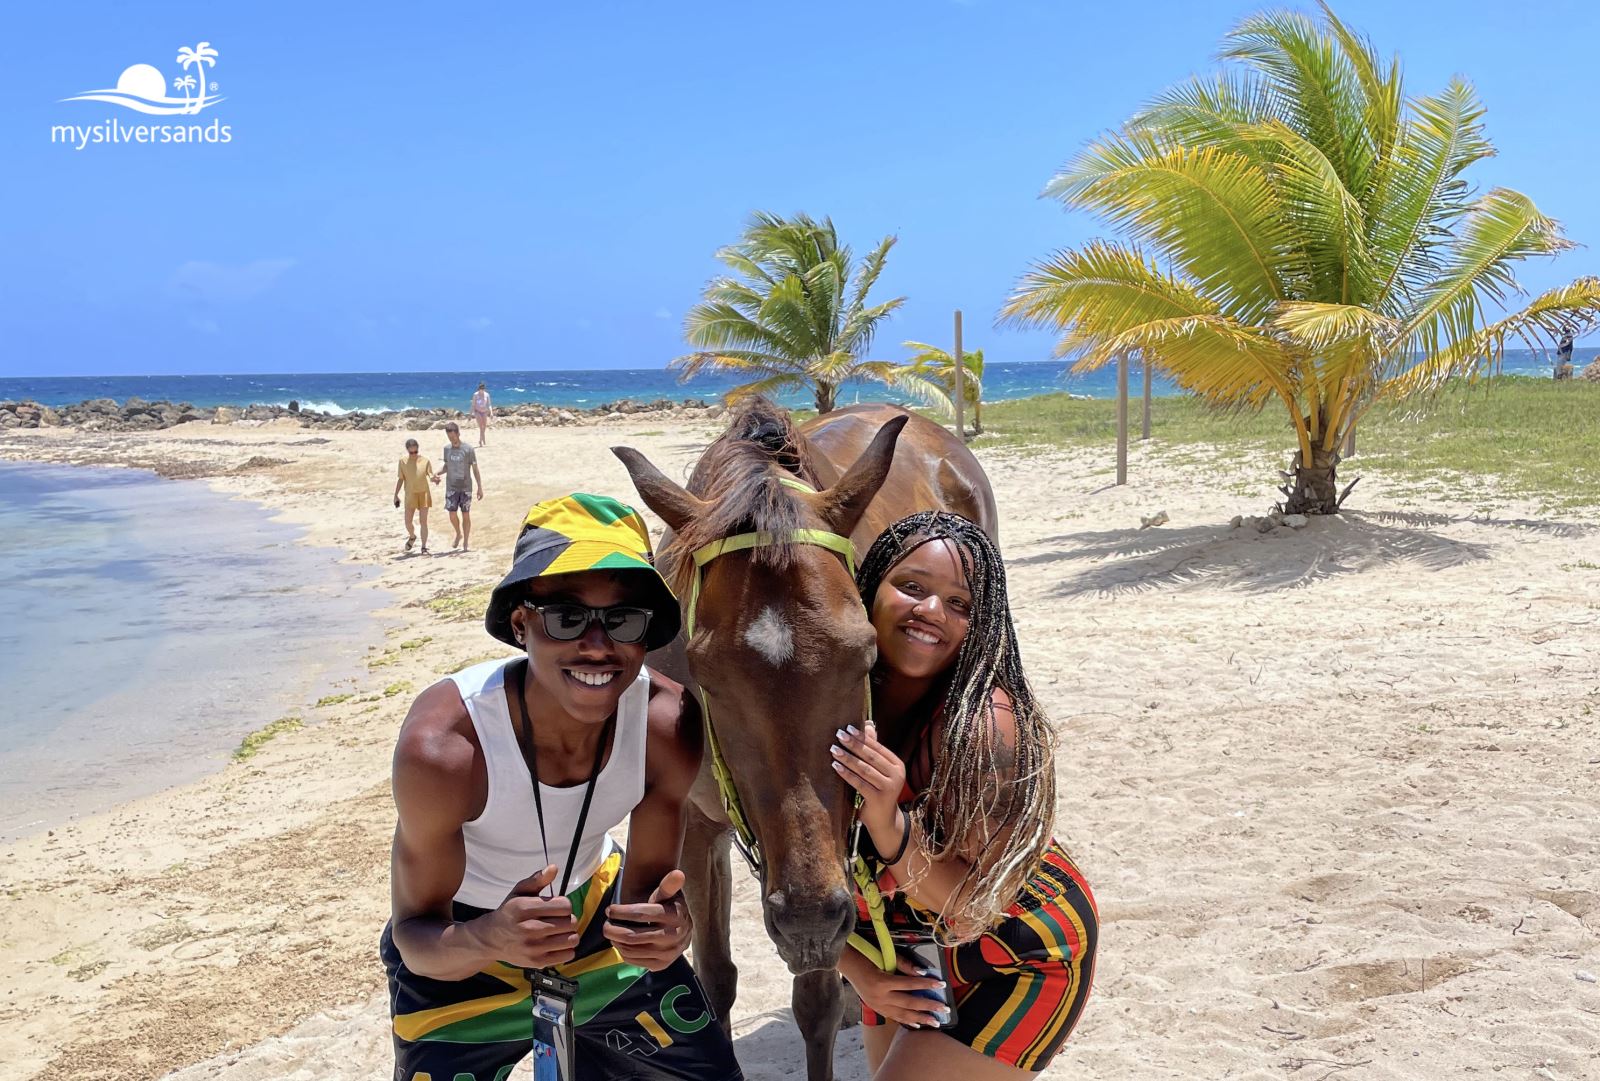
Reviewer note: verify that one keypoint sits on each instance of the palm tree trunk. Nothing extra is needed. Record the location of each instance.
(1316, 487)
(824, 396)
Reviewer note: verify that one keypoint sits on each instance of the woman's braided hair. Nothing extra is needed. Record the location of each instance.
(989, 802)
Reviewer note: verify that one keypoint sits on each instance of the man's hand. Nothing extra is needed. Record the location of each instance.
(529, 930)
(480, 493)
(396, 501)
(656, 932)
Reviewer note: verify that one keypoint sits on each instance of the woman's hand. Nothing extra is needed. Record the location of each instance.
(900, 996)
(878, 774)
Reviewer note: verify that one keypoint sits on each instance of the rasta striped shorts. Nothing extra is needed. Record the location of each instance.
(1021, 987)
(628, 1022)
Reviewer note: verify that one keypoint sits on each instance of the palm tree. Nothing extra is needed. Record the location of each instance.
(199, 56)
(796, 315)
(1299, 230)
(186, 84)
(931, 378)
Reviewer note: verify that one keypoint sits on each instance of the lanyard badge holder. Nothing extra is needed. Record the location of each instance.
(552, 997)
(550, 994)
(923, 950)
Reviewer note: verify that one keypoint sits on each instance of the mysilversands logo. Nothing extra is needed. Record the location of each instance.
(143, 89)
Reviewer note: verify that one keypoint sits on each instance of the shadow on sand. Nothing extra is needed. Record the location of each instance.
(770, 1049)
(1145, 560)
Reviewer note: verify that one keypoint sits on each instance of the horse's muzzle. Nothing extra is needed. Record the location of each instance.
(809, 933)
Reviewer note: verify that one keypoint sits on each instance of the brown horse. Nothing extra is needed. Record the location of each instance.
(781, 650)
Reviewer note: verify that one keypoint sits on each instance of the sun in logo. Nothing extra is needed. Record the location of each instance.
(143, 88)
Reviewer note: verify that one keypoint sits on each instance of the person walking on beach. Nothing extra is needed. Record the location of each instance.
(480, 412)
(515, 928)
(460, 470)
(415, 474)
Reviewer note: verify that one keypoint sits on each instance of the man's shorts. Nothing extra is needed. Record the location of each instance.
(628, 1022)
(458, 499)
(418, 500)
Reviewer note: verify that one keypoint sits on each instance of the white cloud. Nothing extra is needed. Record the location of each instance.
(225, 282)
(662, 313)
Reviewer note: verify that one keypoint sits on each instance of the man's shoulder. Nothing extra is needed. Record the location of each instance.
(437, 737)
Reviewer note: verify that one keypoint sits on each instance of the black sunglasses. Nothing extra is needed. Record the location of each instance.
(624, 624)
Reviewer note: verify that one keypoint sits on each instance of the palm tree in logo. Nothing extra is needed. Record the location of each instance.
(186, 84)
(199, 56)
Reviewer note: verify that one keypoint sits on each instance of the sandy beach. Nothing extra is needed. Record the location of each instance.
(1336, 788)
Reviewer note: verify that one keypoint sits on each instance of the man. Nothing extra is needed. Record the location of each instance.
(460, 470)
(415, 474)
(485, 855)
(1564, 358)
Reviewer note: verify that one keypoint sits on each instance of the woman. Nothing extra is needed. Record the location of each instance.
(957, 779)
(480, 412)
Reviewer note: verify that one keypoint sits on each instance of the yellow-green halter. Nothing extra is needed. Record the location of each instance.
(882, 953)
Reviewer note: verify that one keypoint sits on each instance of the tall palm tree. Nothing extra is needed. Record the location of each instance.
(199, 56)
(931, 378)
(1300, 230)
(795, 316)
(186, 84)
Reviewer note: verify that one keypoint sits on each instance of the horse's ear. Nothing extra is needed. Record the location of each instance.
(843, 505)
(671, 501)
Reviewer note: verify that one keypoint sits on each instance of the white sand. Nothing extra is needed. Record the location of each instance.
(1336, 789)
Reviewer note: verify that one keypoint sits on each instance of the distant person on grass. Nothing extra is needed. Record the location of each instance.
(480, 412)
(508, 776)
(460, 470)
(1564, 357)
(415, 474)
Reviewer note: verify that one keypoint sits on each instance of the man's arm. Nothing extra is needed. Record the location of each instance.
(435, 793)
(650, 924)
(477, 475)
(399, 480)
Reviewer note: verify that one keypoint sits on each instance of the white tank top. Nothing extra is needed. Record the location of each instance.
(503, 843)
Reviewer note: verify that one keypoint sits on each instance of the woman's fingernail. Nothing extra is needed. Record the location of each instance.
(851, 729)
(925, 973)
(837, 766)
(836, 751)
(839, 732)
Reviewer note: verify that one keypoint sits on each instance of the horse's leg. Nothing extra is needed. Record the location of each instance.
(708, 887)
(818, 1004)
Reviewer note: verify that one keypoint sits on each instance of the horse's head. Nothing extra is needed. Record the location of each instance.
(781, 648)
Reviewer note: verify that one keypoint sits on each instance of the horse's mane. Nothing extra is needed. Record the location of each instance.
(740, 478)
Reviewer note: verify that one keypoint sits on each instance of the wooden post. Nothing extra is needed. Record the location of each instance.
(1145, 362)
(960, 384)
(1122, 419)
(1350, 443)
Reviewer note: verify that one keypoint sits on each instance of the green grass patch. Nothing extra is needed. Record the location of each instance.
(416, 643)
(460, 605)
(1535, 438)
(251, 745)
(333, 700)
(470, 661)
(393, 689)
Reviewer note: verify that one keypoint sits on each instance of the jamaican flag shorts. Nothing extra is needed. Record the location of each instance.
(628, 1022)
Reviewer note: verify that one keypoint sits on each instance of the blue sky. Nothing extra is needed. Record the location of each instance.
(422, 187)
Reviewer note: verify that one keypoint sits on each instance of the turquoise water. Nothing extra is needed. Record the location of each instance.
(152, 624)
(374, 391)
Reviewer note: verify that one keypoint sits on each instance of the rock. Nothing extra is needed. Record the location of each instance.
(1587, 977)
(1295, 521)
(294, 405)
(1158, 518)
(1265, 525)
(1238, 520)
(1592, 372)
(49, 418)
(225, 414)
(134, 404)
(716, 411)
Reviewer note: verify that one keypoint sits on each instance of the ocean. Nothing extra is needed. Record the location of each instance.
(151, 625)
(375, 391)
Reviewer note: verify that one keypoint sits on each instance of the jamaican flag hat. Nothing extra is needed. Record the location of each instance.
(576, 533)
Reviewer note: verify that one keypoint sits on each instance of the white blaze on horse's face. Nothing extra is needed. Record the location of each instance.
(771, 637)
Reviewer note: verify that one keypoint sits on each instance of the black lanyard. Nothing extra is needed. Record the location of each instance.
(530, 757)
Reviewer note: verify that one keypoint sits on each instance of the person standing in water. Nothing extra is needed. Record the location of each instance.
(480, 412)
(460, 470)
(415, 474)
